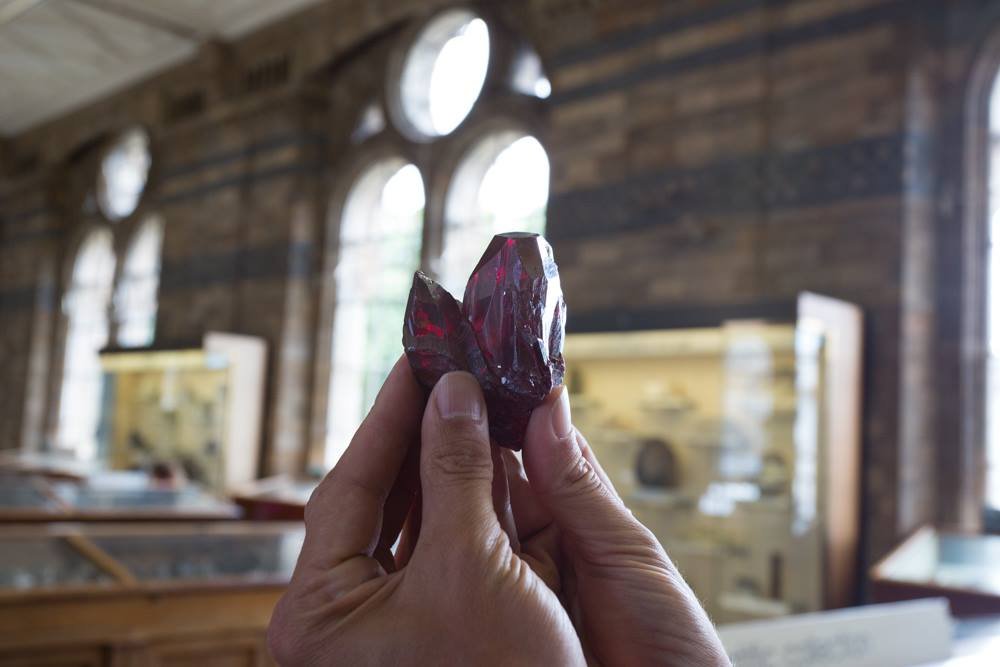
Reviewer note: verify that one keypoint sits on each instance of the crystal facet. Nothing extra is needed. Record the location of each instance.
(508, 332)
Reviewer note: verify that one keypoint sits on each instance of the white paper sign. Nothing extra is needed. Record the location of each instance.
(899, 634)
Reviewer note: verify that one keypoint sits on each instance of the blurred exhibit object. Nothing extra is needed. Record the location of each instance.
(199, 408)
(736, 440)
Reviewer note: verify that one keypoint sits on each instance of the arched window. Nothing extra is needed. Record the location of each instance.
(992, 411)
(457, 86)
(501, 185)
(86, 308)
(380, 239)
(135, 296)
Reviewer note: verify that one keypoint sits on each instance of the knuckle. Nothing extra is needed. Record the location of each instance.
(578, 478)
(461, 459)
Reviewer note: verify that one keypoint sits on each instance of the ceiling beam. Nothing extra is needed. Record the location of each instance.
(74, 14)
(144, 17)
(15, 8)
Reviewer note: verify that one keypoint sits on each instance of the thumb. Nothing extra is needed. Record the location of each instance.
(570, 483)
(456, 467)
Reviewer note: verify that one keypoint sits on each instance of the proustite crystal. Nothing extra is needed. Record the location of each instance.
(508, 331)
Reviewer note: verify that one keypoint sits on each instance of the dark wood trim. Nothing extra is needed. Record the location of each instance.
(682, 316)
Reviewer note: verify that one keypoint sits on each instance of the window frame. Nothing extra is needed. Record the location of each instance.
(525, 120)
(500, 106)
(970, 477)
(73, 253)
(354, 164)
(396, 115)
(86, 215)
(137, 224)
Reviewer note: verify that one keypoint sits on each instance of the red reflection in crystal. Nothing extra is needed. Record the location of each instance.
(508, 332)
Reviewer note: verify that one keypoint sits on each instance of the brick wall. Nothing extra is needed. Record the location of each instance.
(703, 152)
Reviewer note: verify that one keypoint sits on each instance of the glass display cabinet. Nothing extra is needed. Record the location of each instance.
(178, 594)
(39, 562)
(198, 408)
(282, 497)
(24, 495)
(105, 496)
(733, 434)
(964, 568)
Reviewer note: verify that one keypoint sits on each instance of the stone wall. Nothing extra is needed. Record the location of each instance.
(716, 152)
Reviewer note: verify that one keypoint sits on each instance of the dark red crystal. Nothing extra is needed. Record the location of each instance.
(508, 331)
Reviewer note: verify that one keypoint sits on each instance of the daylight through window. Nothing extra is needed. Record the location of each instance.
(484, 176)
(86, 308)
(380, 241)
(444, 72)
(993, 364)
(502, 185)
(123, 175)
(135, 297)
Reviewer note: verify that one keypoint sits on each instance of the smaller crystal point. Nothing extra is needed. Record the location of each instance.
(436, 336)
(508, 333)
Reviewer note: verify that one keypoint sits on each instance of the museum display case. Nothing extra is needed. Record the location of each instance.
(179, 594)
(198, 408)
(932, 563)
(733, 434)
(50, 465)
(106, 496)
(282, 497)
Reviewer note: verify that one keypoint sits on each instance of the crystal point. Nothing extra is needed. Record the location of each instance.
(508, 332)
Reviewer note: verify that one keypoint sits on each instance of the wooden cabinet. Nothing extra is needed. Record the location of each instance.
(128, 595)
(280, 498)
(930, 563)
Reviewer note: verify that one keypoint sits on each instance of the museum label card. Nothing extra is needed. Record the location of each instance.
(886, 635)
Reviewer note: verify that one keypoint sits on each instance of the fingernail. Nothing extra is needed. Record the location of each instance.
(562, 422)
(457, 395)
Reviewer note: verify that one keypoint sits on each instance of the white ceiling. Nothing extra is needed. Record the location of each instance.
(56, 55)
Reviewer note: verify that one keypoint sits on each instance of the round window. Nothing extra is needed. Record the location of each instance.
(444, 72)
(123, 174)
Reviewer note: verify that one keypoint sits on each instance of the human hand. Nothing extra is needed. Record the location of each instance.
(464, 592)
(628, 601)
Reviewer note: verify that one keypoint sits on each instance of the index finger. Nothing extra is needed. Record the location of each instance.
(344, 514)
